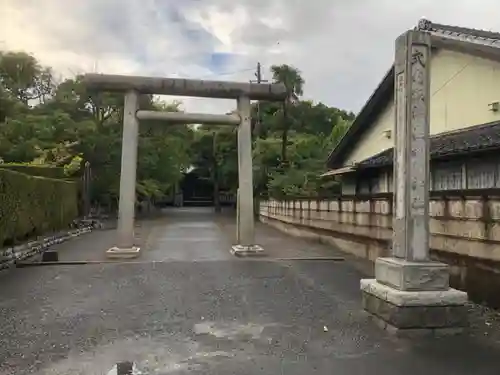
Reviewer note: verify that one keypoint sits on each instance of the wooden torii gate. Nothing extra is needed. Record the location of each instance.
(132, 87)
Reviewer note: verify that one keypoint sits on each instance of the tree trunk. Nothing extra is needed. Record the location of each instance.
(217, 206)
(284, 137)
(215, 174)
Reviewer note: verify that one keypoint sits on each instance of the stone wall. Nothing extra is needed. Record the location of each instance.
(11, 255)
(465, 231)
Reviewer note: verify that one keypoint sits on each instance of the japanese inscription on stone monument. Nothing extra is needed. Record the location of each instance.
(419, 128)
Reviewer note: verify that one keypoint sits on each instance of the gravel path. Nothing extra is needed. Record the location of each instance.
(189, 307)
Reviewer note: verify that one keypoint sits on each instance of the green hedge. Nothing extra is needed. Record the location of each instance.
(33, 205)
(36, 170)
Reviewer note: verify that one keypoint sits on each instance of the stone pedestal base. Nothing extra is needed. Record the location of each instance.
(246, 251)
(415, 312)
(405, 275)
(123, 253)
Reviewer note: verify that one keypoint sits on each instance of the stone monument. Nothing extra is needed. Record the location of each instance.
(411, 293)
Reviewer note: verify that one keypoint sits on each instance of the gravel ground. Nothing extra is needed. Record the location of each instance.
(190, 307)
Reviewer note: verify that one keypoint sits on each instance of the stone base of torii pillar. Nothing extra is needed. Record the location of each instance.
(410, 293)
(243, 249)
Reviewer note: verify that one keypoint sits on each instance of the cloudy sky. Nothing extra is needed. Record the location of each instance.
(342, 47)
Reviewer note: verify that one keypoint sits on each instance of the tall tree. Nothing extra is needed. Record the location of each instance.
(24, 78)
(75, 98)
(66, 124)
(293, 81)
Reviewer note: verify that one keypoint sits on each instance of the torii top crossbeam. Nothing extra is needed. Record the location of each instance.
(186, 87)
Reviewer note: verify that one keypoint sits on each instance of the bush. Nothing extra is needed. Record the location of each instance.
(33, 205)
(36, 170)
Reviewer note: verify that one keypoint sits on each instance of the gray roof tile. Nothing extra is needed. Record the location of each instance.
(460, 33)
(474, 139)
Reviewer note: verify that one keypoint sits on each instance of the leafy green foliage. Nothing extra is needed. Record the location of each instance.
(164, 154)
(66, 125)
(312, 131)
(292, 147)
(293, 82)
(216, 155)
(301, 177)
(24, 78)
(74, 166)
(35, 170)
(290, 77)
(32, 205)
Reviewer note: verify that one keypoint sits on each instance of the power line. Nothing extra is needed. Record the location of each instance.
(226, 73)
(216, 74)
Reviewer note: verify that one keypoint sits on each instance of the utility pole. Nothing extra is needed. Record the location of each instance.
(258, 75)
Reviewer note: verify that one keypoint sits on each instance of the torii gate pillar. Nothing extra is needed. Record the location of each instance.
(126, 209)
(245, 215)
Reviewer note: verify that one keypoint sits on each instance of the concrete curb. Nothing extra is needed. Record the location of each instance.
(11, 255)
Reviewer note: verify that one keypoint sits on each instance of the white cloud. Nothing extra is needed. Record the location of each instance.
(342, 47)
(220, 23)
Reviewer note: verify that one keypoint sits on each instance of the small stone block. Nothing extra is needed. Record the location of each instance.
(50, 256)
(123, 253)
(124, 368)
(412, 276)
(247, 251)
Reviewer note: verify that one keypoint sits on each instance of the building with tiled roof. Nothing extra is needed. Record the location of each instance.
(464, 119)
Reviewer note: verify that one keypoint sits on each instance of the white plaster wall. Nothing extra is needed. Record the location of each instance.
(462, 86)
